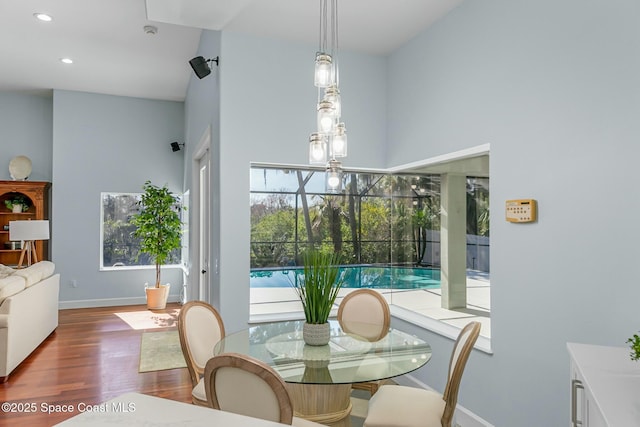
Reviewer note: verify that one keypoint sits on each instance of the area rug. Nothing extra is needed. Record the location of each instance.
(160, 351)
(146, 319)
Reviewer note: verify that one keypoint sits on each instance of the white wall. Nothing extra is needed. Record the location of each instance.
(267, 111)
(106, 143)
(202, 115)
(554, 87)
(25, 129)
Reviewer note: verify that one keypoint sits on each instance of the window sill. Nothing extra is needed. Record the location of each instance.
(139, 267)
(483, 343)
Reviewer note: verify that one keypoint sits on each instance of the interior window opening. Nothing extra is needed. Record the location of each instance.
(389, 231)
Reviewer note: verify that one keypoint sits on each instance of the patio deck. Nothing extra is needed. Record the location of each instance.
(283, 303)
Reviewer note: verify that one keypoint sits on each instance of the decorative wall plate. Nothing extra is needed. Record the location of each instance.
(20, 168)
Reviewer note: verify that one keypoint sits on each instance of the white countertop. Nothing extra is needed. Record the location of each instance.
(614, 381)
(135, 409)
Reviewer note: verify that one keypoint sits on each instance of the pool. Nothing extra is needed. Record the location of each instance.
(356, 276)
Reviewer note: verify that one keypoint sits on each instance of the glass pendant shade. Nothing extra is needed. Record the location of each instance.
(323, 70)
(330, 139)
(333, 177)
(332, 94)
(317, 149)
(339, 141)
(326, 117)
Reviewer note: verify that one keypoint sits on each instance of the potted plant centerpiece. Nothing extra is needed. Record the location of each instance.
(17, 203)
(159, 229)
(318, 289)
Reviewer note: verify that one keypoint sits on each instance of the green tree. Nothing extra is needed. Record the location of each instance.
(158, 224)
(270, 236)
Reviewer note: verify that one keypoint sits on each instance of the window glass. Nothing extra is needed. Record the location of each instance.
(386, 227)
(119, 249)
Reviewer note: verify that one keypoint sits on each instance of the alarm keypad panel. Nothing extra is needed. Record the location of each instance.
(521, 210)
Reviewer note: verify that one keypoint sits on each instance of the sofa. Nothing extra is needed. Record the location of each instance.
(28, 311)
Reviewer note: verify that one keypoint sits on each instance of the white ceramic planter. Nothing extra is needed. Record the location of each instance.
(157, 297)
(316, 334)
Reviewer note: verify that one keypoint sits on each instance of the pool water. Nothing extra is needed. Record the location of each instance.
(357, 276)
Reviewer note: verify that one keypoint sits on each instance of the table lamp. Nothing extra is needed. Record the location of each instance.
(28, 232)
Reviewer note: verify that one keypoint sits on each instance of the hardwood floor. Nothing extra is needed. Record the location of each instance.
(92, 356)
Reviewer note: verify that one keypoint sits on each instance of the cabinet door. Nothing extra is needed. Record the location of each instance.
(584, 411)
(578, 406)
(594, 417)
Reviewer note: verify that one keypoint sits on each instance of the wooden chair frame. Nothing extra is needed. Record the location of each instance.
(371, 386)
(253, 366)
(454, 375)
(402, 406)
(383, 303)
(195, 372)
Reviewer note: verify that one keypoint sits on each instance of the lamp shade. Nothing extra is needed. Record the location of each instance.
(29, 230)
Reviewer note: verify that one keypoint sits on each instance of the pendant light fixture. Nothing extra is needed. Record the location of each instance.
(317, 149)
(330, 140)
(333, 177)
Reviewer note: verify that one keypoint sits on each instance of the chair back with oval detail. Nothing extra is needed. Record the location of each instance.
(403, 406)
(365, 313)
(200, 327)
(244, 385)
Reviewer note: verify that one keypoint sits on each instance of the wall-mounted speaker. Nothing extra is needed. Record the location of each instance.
(200, 66)
(175, 146)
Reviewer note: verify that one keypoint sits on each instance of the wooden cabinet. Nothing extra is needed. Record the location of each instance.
(605, 386)
(37, 194)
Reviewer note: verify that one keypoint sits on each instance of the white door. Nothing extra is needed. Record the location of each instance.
(204, 208)
(201, 219)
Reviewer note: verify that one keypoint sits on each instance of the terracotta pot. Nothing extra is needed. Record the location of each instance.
(157, 297)
(316, 334)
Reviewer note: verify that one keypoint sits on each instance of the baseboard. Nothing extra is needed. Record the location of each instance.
(108, 302)
(462, 417)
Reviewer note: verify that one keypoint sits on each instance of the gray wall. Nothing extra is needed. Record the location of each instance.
(113, 144)
(25, 129)
(554, 87)
(267, 111)
(202, 112)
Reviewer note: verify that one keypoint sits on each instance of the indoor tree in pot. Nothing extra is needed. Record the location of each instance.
(318, 289)
(159, 229)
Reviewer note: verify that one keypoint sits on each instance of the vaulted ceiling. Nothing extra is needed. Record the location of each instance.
(113, 54)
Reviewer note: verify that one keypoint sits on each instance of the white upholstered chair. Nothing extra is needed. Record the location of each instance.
(244, 385)
(200, 327)
(400, 406)
(365, 313)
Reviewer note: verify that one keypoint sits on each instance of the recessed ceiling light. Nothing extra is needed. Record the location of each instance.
(66, 60)
(43, 17)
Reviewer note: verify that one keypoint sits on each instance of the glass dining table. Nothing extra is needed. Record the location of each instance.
(319, 378)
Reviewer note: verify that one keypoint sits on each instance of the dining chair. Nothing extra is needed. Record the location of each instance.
(401, 406)
(365, 313)
(200, 327)
(244, 385)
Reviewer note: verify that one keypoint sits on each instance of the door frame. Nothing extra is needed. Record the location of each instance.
(202, 149)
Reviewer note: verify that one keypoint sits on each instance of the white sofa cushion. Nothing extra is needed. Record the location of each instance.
(36, 272)
(5, 271)
(10, 286)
